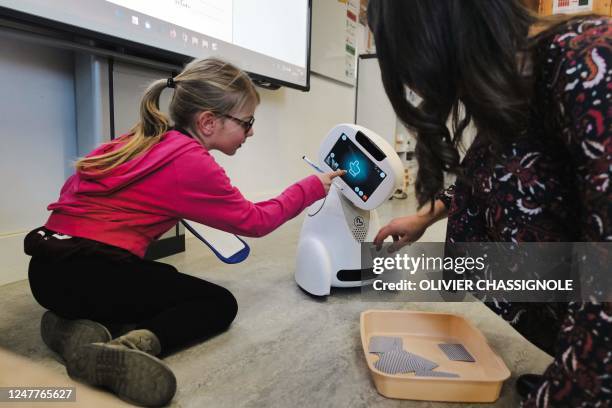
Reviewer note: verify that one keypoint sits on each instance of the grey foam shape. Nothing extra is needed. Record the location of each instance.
(395, 361)
(429, 373)
(400, 361)
(421, 363)
(383, 344)
(456, 352)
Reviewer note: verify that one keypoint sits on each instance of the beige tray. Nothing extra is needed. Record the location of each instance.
(421, 333)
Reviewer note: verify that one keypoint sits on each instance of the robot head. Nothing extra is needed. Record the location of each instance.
(373, 169)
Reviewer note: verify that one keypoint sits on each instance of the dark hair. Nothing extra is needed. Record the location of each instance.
(453, 52)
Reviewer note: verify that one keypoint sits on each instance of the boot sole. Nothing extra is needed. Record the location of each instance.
(65, 336)
(132, 375)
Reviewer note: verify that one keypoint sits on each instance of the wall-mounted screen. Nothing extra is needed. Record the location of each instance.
(268, 38)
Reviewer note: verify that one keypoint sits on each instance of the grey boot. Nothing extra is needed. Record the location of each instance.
(130, 372)
(64, 336)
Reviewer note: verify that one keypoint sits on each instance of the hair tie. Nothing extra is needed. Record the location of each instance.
(170, 83)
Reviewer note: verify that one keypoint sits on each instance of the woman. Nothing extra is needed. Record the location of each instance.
(538, 93)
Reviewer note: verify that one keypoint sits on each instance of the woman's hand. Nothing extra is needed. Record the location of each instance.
(327, 178)
(404, 230)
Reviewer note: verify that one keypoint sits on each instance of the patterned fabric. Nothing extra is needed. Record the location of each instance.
(553, 184)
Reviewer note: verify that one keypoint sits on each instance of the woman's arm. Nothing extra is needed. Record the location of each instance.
(440, 211)
(584, 93)
(446, 196)
(406, 230)
(578, 375)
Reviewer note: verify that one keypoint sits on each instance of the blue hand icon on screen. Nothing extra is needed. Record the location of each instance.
(354, 170)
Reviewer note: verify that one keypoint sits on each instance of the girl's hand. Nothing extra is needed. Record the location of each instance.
(327, 178)
(404, 230)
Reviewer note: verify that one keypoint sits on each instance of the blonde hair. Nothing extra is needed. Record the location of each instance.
(204, 85)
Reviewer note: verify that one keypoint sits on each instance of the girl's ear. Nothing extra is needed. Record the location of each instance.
(205, 123)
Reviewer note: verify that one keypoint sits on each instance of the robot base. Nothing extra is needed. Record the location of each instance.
(329, 250)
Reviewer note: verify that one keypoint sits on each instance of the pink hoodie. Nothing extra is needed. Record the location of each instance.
(141, 199)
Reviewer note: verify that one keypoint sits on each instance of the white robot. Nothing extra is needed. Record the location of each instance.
(329, 249)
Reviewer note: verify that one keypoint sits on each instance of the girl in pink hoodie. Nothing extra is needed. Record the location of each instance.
(87, 263)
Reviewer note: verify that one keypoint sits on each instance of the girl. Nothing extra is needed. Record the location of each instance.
(87, 263)
(538, 92)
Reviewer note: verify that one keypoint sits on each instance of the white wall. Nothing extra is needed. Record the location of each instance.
(39, 140)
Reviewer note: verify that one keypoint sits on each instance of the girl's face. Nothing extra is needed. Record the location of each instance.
(225, 133)
(233, 130)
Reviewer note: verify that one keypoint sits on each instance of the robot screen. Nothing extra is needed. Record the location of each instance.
(362, 174)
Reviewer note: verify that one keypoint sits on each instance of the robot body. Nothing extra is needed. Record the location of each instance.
(329, 249)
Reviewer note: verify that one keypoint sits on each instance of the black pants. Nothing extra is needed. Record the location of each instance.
(80, 278)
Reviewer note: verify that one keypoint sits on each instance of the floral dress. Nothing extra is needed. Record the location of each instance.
(552, 184)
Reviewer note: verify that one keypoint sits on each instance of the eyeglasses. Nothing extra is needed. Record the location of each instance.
(246, 124)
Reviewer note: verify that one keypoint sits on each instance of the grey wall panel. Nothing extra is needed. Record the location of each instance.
(92, 100)
(130, 83)
(37, 112)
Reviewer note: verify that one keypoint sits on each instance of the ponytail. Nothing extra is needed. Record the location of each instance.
(204, 85)
(153, 122)
(152, 125)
